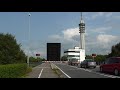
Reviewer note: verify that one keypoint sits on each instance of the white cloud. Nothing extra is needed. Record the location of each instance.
(69, 33)
(100, 44)
(106, 38)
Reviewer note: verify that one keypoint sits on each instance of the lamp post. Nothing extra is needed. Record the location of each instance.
(28, 41)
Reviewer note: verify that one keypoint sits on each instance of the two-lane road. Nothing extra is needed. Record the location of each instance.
(75, 72)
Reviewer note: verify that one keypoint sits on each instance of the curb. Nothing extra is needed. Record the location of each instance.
(58, 72)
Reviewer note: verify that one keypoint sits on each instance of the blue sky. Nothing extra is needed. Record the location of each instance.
(102, 30)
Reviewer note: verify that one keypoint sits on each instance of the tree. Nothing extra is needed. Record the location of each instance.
(10, 51)
(64, 58)
(38, 59)
(98, 59)
(115, 51)
(88, 57)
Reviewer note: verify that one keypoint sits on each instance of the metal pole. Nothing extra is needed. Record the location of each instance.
(29, 41)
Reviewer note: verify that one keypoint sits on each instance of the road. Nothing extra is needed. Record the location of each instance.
(42, 71)
(76, 72)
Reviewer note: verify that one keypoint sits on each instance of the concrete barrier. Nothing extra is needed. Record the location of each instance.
(58, 72)
(53, 66)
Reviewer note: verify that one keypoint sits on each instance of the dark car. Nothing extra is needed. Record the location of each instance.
(111, 65)
(88, 63)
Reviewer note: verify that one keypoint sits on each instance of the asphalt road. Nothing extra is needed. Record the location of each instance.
(76, 72)
(42, 71)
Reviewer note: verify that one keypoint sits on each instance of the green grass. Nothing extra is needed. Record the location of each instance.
(13, 70)
(34, 64)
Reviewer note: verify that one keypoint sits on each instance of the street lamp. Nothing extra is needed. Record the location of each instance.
(29, 40)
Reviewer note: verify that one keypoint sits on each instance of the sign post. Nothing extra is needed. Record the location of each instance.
(93, 55)
(37, 54)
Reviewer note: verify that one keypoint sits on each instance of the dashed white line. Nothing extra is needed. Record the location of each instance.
(111, 76)
(62, 71)
(40, 73)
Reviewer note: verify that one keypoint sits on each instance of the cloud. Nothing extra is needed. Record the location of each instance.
(35, 47)
(70, 33)
(67, 35)
(102, 29)
(100, 43)
(107, 40)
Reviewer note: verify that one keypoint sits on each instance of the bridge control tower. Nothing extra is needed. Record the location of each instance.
(82, 38)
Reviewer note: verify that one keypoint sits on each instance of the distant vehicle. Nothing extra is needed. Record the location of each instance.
(73, 61)
(87, 63)
(111, 65)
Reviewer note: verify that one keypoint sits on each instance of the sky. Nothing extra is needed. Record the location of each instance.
(102, 30)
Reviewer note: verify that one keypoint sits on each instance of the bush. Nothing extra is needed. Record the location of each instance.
(13, 70)
(10, 50)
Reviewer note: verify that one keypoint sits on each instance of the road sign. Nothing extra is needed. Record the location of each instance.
(37, 54)
(93, 55)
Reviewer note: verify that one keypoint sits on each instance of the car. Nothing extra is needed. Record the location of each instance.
(69, 62)
(73, 61)
(111, 65)
(87, 63)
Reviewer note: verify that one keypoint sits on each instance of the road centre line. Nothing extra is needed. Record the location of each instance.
(40, 73)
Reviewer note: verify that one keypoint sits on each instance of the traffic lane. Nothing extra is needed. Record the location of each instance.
(97, 71)
(47, 72)
(37, 71)
(75, 72)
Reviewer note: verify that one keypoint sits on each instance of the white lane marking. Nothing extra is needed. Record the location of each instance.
(62, 71)
(111, 76)
(40, 73)
(82, 69)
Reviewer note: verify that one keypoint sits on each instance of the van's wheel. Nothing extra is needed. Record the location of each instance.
(116, 72)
